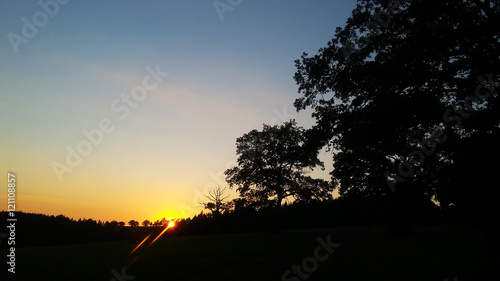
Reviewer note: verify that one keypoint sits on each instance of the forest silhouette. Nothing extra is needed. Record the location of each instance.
(405, 99)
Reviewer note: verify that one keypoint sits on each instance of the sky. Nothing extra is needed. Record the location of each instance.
(125, 109)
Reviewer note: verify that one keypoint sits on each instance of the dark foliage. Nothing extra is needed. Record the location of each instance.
(406, 97)
(43, 230)
(272, 166)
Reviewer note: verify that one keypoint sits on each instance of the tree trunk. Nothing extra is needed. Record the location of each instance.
(280, 199)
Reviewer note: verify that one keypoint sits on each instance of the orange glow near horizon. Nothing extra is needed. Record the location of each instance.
(99, 208)
(170, 224)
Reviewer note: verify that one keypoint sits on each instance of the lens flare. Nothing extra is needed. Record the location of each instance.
(169, 225)
(139, 244)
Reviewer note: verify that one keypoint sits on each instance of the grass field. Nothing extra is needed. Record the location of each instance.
(365, 253)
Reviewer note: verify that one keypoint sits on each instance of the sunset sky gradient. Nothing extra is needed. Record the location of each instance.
(226, 77)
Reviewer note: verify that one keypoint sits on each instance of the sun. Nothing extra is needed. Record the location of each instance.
(171, 224)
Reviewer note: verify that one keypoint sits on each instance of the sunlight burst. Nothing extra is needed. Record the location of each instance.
(169, 225)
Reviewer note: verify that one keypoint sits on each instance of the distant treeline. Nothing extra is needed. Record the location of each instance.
(39, 230)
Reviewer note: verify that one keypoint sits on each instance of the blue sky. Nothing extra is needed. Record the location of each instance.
(226, 77)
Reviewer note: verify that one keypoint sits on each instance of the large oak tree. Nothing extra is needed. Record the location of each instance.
(273, 165)
(406, 96)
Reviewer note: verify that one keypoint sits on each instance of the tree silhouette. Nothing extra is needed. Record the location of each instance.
(272, 164)
(216, 202)
(146, 223)
(133, 223)
(405, 97)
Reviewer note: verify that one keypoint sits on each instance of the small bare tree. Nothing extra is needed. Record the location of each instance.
(216, 202)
